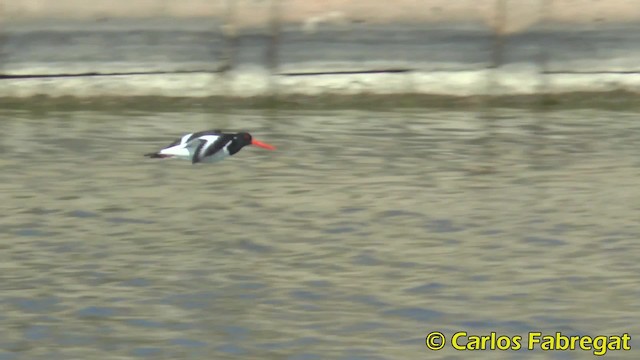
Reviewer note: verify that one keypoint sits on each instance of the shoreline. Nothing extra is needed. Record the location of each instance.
(605, 100)
(509, 85)
(181, 59)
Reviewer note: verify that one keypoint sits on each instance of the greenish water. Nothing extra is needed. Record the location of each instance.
(364, 232)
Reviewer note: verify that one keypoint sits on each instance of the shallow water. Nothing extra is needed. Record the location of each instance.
(362, 233)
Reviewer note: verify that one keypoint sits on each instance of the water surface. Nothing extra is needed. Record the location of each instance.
(361, 234)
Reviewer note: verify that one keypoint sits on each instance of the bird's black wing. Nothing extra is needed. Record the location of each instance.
(193, 136)
(221, 142)
(198, 134)
(196, 157)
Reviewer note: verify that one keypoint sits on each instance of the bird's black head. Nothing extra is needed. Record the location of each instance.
(243, 138)
(239, 141)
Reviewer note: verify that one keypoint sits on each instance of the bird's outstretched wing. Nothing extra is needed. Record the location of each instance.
(199, 134)
(184, 139)
(218, 144)
(195, 148)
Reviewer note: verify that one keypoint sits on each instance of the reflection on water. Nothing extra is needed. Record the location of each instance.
(362, 233)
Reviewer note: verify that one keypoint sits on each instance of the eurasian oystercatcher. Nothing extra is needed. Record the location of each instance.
(208, 146)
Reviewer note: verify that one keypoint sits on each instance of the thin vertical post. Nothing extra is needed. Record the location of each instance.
(500, 18)
(543, 53)
(274, 31)
(2, 36)
(273, 46)
(227, 60)
(230, 34)
(541, 100)
(496, 61)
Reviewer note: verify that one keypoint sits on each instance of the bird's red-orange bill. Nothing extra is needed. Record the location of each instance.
(262, 145)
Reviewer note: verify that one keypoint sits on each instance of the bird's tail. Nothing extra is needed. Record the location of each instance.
(156, 155)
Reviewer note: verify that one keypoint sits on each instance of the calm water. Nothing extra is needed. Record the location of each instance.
(361, 234)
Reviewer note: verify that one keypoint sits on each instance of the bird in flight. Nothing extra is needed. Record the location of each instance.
(208, 146)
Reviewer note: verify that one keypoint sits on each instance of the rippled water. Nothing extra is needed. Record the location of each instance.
(361, 234)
